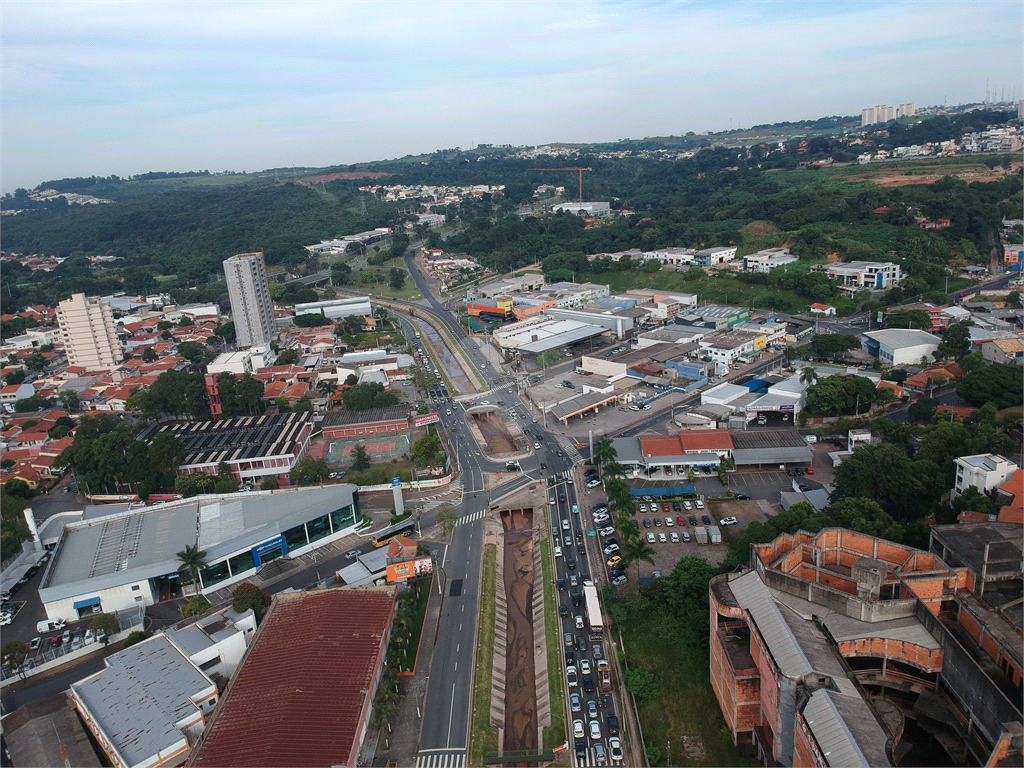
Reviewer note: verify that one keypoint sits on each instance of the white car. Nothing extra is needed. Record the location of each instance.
(699, 504)
(593, 483)
(536, 446)
(728, 521)
(558, 551)
(661, 538)
(585, 666)
(643, 507)
(595, 730)
(485, 402)
(615, 748)
(572, 676)
(607, 531)
(5, 619)
(619, 580)
(579, 622)
(675, 537)
(577, 729)
(650, 538)
(565, 525)
(687, 506)
(611, 549)
(668, 521)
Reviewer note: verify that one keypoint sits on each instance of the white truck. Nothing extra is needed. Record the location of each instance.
(716, 535)
(701, 533)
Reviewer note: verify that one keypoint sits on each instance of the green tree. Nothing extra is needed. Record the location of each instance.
(808, 375)
(315, 470)
(148, 355)
(249, 394)
(287, 357)
(641, 683)
(195, 351)
(620, 500)
(13, 655)
(956, 342)
(548, 358)
(17, 487)
(396, 278)
(247, 595)
(447, 518)
(303, 405)
(228, 396)
(134, 638)
(831, 344)
(16, 376)
(269, 484)
(637, 551)
(686, 592)
(604, 452)
(425, 449)
(226, 331)
(904, 488)
(840, 394)
(106, 623)
(865, 516)
(191, 560)
(909, 318)
(195, 484)
(999, 383)
(360, 459)
(69, 400)
(166, 452)
(196, 606)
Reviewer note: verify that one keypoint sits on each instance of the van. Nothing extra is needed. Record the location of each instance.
(811, 438)
(50, 625)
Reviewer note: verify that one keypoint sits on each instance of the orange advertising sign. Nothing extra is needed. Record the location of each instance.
(410, 569)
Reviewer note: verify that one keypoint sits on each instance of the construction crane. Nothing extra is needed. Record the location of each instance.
(581, 170)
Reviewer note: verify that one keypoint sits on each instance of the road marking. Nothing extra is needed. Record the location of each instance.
(458, 645)
(451, 712)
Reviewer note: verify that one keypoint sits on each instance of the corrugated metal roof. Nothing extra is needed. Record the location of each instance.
(833, 737)
(908, 630)
(753, 595)
(782, 455)
(563, 339)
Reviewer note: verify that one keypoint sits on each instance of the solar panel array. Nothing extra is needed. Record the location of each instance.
(119, 540)
(247, 437)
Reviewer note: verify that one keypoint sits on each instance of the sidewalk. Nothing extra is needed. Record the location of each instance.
(402, 743)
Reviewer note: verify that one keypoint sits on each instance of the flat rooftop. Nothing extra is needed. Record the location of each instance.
(247, 437)
(967, 543)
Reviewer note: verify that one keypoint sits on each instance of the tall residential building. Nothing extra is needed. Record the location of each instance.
(90, 336)
(251, 307)
(883, 113)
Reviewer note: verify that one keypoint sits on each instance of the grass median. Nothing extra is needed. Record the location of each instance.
(483, 738)
(554, 734)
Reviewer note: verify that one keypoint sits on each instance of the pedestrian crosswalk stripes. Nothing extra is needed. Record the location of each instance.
(570, 450)
(441, 759)
(472, 517)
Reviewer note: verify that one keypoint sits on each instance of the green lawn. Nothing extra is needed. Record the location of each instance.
(425, 583)
(484, 739)
(686, 704)
(382, 473)
(554, 734)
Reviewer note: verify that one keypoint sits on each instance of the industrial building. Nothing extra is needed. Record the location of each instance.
(391, 420)
(842, 649)
(854, 276)
(334, 309)
(119, 556)
(304, 692)
(541, 334)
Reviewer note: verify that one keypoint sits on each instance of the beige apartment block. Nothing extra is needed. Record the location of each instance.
(90, 336)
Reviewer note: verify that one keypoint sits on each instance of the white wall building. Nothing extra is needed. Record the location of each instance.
(244, 361)
(90, 335)
(984, 471)
(216, 643)
(900, 346)
(251, 306)
(855, 275)
(337, 308)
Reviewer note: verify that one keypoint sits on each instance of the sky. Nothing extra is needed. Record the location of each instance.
(100, 88)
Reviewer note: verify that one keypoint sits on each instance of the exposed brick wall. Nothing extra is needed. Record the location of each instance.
(925, 659)
(973, 627)
(803, 752)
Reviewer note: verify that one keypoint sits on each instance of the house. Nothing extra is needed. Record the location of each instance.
(12, 393)
(1012, 489)
(983, 471)
(823, 309)
(1006, 351)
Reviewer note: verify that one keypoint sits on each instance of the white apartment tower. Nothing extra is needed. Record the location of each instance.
(251, 305)
(90, 336)
(883, 113)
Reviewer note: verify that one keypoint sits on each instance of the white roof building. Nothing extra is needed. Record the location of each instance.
(983, 471)
(900, 346)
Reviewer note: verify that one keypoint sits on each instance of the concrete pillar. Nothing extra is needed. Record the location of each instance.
(396, 489)
(30, 519)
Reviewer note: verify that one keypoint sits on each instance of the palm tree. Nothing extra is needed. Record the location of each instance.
(604, 452)
(628, 528)
(192, 558)
(620, 500)
(808, 375)
(636, 550)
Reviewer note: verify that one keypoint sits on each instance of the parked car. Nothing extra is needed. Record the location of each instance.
(686, 536)
(809, 470)
(681, 520)
(687, 506)
(643, 507)
(650, 538)
(619, 579)
(593, 483)
(661, 538)
(728, 521)
(647, 523)
(606, 531)
(614, 560)
(705, 519)
(669, 522)
(741, 496)
(699, 504)
(692, 520)
(657, 522)
(611, 549)
(675, 537)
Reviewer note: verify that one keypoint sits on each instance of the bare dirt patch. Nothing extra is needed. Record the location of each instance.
(494, 433)
(520, 675)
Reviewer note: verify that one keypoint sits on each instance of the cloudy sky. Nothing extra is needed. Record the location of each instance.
(117, 87)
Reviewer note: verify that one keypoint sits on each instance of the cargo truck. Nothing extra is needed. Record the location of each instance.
(604, 676)
(593, 612)
(701, 533)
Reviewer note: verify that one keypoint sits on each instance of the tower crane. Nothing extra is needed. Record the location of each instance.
(581, 170)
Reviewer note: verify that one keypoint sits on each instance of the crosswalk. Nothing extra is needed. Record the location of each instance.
(472, 517)
(570, 449)
(441, 758)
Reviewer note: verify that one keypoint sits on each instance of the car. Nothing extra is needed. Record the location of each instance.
(66, 637)
(705, 519)
(661, 538)
(667, 507)
(647, 523)
(669, 522)
(741, 496)
(619, 579)
(687, 506)
(572, 676)
(565, 525)
(668, 471)
(606, 531)
(563, 611)
(611, 549)
(55, 641)
(804, 487)
(582, 550)
(615, 750)
(680, 520)
(643, 507)
(569, 639)
(575, 702)
(561, 497)
(36, 642)
(809, 470)
(588, 687)
(558, 551)
(699, 504)
(577, 729)
(543, 465)
(657, 522)
(692, 520)
(579, 534)
(579, 621)
(614, 560)
(593, 483)
(799, 471)
(581, 643)
(613, 725)
(6, 619)
(675, 537)
(585, 666)
(561, 585)
(536, 446)
(574, 582)
(686, 536)
(728, 521)
(485, 402)
(595, 730)
(581, 750)
(601, 519)
(90, 637)
(648, 498)
(650, 538)
(570, 563)
(101, 635)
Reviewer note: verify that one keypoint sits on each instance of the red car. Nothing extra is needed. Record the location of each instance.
(55, 642)
(681, 520)
(667, 507)
(809, 471)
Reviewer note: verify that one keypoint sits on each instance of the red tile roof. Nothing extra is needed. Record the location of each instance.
(706, 440)
(303, 707)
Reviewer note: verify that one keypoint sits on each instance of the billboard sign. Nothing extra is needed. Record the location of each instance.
(410, 569)
(396, 482)
(429, 418)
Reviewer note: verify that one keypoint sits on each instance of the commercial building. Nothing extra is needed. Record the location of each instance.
(765, 261)
(854, 276)
(304, 692)
(584, 209)
(528, 281)
(712, 257)
(90, 336)
(46, 733)
(817, 613)
(147, 705)
(253, 447)
(899, 346)
(540, 334)
(117, 557)
(337, 308)
(251, 306)
(983, 471)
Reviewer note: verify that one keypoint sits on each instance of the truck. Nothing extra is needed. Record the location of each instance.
(50, 625)
(716, 535)
(604, 676)
(701, 534)
(593, 611)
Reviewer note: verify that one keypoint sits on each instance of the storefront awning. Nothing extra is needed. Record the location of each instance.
(86, 603)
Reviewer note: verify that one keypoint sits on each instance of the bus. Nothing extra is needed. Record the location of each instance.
(385, 535)
(593, 612)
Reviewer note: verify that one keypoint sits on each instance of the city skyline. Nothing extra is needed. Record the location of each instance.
(105, 88)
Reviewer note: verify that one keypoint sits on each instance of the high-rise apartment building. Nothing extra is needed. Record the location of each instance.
(251, 307)
(883, 113)
(90, 336)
